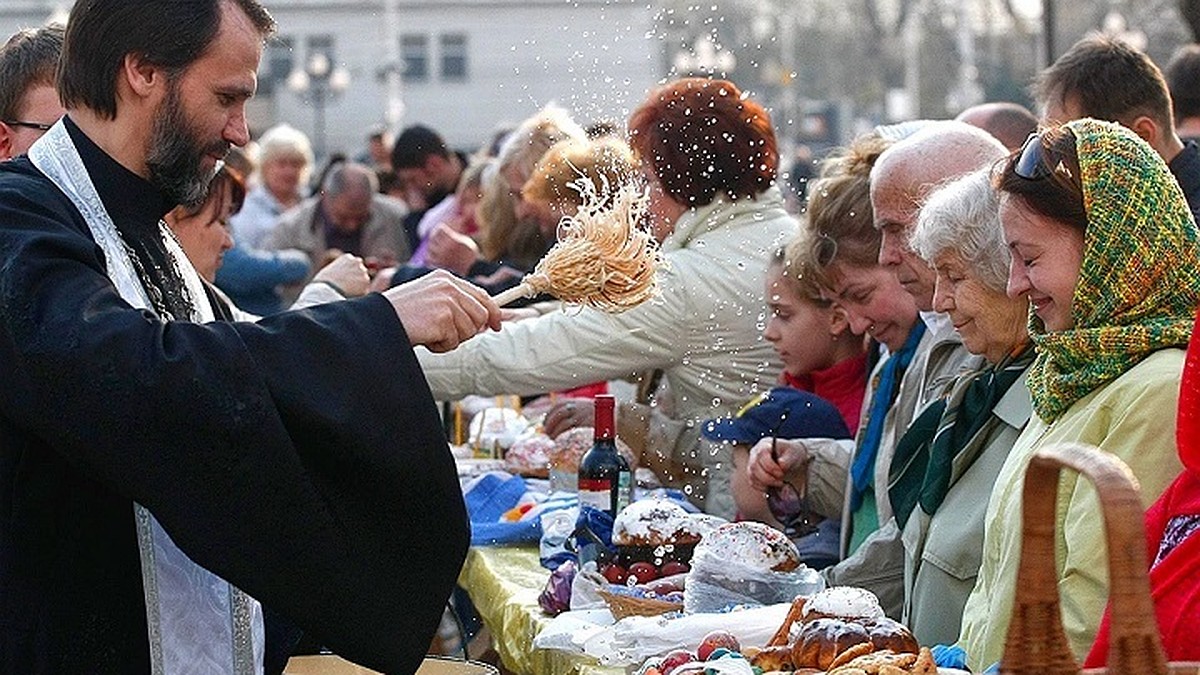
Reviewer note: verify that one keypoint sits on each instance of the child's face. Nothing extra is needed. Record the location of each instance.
(798, 329)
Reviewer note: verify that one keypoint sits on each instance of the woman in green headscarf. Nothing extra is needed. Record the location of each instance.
(1106, 251)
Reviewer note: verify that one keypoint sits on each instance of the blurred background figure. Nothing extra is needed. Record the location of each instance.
(28, 99)
(1010, 123)
(252, 274)
(802, 171)
(1183, 81)
(428, 169)
(507, 236)
(348, 216)
(285, 160)
(378, 153)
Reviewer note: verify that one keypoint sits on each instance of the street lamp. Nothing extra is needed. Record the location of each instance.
(322, 82)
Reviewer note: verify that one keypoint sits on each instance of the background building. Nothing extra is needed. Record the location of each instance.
(826, 69)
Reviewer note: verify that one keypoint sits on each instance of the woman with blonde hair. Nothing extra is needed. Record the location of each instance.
(846, 480)
(509, 237)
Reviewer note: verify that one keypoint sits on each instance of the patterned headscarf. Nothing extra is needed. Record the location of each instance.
(1139, 282)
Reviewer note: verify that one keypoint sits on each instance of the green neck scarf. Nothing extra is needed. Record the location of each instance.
(949, 435)
(1139, 282)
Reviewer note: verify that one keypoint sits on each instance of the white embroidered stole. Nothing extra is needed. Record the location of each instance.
(198, 623)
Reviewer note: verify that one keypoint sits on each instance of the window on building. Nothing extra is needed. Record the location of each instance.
(414, 53)
(454, 56)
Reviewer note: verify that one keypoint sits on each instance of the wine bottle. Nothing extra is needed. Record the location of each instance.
(605, 481)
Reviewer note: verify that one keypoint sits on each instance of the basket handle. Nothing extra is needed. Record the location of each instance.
(1036, 642)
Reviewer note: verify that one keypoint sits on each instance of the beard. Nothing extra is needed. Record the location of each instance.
(176, 156)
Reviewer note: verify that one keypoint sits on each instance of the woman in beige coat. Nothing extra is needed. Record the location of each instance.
(710, 159)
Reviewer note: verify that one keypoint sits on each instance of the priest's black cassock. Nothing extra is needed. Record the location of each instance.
(300, 458)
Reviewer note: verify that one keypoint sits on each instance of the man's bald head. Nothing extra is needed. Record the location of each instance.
(904, 176)
(1010, 123)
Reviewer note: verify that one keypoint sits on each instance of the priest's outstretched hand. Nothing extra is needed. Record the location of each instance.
(440, 311)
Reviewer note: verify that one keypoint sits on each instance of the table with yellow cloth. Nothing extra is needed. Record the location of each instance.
(504, 583)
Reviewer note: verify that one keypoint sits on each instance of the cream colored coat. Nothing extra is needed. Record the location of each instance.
(942, 552)
(1132, 417)
(703, 331)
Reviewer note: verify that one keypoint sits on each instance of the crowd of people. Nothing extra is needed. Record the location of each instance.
(191, 473)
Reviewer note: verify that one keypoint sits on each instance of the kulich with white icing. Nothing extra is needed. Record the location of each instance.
(843, 602)
(654, 522)
(755, 544)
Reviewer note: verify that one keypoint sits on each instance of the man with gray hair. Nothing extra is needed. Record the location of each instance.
(903, 177)
(29, 104)
(348, 216)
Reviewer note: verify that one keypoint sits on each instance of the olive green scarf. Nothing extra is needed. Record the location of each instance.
(1139, 282)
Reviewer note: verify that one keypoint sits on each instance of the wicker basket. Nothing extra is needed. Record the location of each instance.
(622, 606)
(1036, 643)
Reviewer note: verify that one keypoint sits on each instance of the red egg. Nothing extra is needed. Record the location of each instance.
(716, 640)
(614, 573)
(643, 572)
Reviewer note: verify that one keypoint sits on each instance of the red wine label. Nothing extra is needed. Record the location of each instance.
(595, 485)
(598, 492)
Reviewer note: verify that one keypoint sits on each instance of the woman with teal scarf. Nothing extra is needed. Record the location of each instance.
(1107, 254)
(946, 463)
(843, 480)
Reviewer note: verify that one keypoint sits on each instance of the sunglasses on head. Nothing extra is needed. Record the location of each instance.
(1030, 164)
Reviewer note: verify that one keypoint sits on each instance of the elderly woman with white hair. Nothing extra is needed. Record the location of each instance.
(946, 463)
(285, 159)
(251, 274)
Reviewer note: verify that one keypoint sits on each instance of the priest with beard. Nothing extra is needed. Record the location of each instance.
(167, 479)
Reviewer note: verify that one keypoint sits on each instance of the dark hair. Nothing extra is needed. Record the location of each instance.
(28, 59)
(704, 138)
(1057, 195)
(227, 179)
(1109, 79)
(416, 144)
(172, 34)
(1183, 80)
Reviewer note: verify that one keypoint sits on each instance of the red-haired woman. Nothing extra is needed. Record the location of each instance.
(708, 153)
